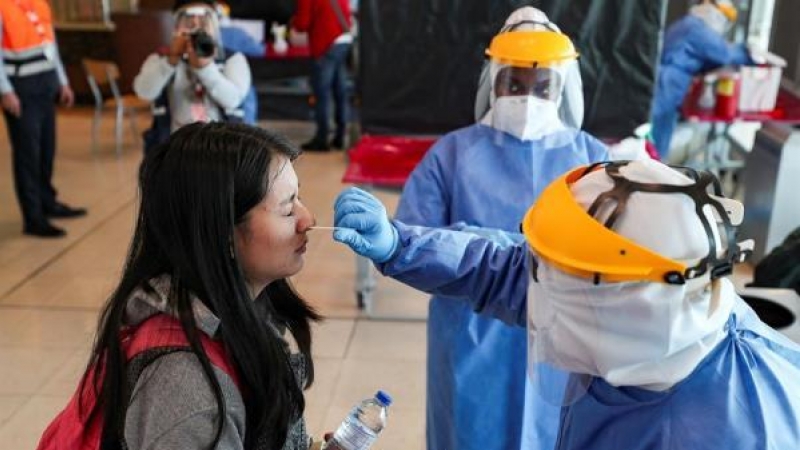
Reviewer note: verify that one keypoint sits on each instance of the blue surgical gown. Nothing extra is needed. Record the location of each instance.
(476, 382)
(690, 47)
(745, 395)
(237, 40)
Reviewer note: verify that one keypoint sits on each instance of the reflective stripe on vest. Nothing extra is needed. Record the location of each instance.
(30, 68)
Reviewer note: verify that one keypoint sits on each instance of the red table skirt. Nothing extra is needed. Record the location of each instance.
(291, 52)
(385, 161)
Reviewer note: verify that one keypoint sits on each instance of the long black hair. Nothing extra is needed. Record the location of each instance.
(195, 188)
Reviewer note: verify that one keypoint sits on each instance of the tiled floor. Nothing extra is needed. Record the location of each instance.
(51, 290)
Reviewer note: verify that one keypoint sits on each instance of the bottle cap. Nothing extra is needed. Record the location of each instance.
(384, 398)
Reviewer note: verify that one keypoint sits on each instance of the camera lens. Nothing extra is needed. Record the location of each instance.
(203, 44)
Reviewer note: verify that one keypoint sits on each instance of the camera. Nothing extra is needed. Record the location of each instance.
(203, 44)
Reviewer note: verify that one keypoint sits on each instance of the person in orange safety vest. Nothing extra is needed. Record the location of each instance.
(31, 80)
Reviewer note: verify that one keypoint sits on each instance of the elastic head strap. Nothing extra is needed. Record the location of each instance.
(513, 26)
(698, 192)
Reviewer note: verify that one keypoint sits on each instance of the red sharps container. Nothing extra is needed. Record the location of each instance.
(727, 103)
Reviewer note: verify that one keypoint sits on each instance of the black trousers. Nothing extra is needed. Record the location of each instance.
(33, 144)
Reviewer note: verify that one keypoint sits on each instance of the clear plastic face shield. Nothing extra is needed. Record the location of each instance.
(201, 23)
(531, 88)
(527, 102)
(719, 15)
(526, 18)
(627, 275)
(196, 17)
(224, 13)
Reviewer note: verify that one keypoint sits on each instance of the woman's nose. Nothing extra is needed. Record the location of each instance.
(307, 220)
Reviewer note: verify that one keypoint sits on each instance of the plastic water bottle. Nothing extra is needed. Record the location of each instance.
(361, 427)
(708, 97)
(279, 43)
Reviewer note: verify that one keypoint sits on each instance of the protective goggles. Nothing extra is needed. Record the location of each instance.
(561, 232)
(545, 83)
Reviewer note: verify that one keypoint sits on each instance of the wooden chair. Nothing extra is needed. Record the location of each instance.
(104, 76)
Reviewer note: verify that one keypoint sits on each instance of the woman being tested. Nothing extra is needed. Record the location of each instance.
(220, 230)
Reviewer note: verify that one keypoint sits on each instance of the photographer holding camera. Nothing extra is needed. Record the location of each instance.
(194, 80)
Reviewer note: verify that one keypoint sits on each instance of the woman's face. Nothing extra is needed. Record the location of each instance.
(271, 240)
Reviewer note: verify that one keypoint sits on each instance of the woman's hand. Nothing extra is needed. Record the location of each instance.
(178, 47)
(319, 444)
(196, 61)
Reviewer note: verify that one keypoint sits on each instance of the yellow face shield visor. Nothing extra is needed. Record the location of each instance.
(727, 10)
(561, 232)
(531, 49)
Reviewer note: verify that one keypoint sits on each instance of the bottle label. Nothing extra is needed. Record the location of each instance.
(356, 435)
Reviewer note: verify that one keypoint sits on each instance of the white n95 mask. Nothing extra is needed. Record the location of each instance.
(526, 117)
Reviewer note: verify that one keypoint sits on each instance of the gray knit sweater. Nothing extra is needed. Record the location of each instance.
(172, 405)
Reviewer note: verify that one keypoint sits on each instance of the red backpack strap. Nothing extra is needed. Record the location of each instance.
(162, 330)
(73, 430)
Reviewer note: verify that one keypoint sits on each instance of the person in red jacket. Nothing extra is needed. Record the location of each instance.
(329, 37)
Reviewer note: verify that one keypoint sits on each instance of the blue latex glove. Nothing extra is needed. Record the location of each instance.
(363, 225)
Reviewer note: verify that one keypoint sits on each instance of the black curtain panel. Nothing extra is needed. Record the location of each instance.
(267, 10)
(420, 60)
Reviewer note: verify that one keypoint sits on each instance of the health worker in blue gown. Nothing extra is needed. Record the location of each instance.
(482, 178)
(623, 283)
(692, 45)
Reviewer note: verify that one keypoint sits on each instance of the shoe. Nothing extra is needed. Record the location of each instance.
(315, 145)
(44, 230)
(337, 143)
(62, 211)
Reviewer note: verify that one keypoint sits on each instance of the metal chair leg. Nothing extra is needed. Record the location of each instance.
(98, 115)
(118, 127)
(134, 129)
